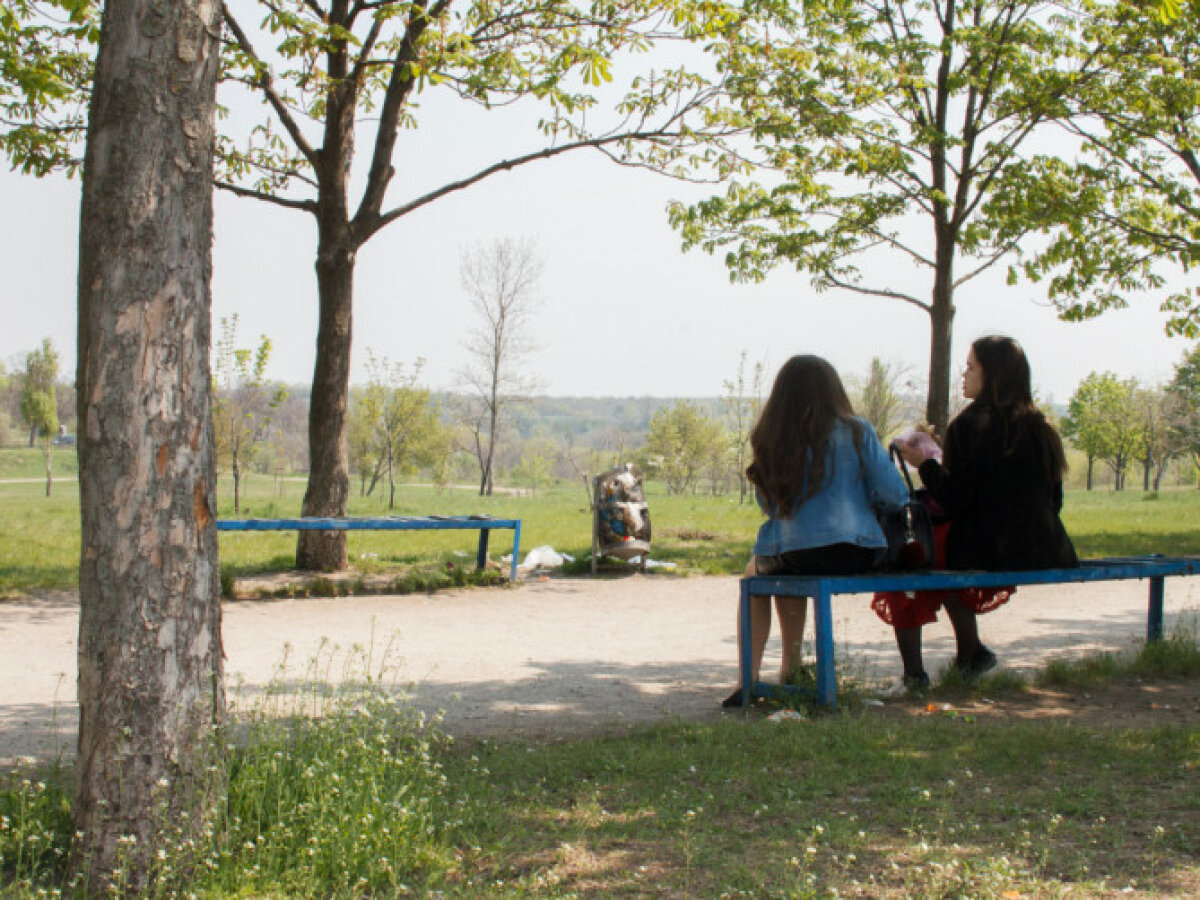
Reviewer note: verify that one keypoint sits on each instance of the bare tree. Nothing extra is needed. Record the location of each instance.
(501, 281)
(741, 402)
(150, 674)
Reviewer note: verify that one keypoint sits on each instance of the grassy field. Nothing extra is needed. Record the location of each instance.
(369, 800)
(39, 536)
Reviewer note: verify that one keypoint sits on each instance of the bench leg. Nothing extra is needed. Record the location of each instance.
(481, 556)
(512, 572)
(1154, 614)
(823, 626)
(745, 642)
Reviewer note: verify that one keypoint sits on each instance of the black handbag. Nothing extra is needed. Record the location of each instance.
(909, 530)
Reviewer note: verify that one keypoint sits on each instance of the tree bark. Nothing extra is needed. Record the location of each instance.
(150, 662)
(328, 489)
(329, 467)
(941, 331)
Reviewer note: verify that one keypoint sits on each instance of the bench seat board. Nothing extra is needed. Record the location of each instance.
(822, 589)
(483, 524)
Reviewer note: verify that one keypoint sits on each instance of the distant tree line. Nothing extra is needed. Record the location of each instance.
(1128, 426)
(403, 431)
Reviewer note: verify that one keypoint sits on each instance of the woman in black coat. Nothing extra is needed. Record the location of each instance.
(1000, 484)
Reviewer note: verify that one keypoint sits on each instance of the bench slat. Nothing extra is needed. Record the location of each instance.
(482, 524)
(822, 588)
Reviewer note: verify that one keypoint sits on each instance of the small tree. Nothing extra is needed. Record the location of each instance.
(41, 373)
(395, 425)
(681, 442)
(879, 402)
(39, 406)
(243, 402)
(1153, 408)
(362, 451)
(501, 283)
(1184, 389)
(534, 467)
(1101, 421)
(742, 400)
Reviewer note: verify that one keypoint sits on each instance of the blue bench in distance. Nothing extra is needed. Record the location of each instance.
(484, 524)
(822, 589)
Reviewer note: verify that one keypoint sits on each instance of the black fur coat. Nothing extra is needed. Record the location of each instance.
(999, 486)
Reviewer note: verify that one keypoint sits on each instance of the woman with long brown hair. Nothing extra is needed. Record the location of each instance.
(821, 476)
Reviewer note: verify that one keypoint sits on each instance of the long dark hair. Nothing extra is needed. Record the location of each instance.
(790, 438)
(1008, 390)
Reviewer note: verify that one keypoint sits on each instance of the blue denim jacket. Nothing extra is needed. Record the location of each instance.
(844, 510)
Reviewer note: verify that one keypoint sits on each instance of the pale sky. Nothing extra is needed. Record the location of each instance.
(626, 312)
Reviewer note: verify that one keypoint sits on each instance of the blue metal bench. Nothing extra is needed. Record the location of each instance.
(484, 524)
(822, 589)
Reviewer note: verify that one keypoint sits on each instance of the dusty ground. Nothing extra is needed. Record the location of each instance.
(563, 657)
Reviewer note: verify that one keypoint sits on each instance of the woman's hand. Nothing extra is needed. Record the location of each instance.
(917, 446)
(913, 454)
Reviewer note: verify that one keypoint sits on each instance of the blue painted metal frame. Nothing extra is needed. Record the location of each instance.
(822, 589)
(484, 524)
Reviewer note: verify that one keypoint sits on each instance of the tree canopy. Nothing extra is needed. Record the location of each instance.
(1126, 212)
(885, 132)
(46, 61)
(331, 76)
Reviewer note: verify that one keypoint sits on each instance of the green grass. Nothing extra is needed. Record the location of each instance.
(354, 795)
(24, 462)
(39, 539)
(1130, 523)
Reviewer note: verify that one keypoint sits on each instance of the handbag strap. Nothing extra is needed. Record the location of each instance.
(898, 458)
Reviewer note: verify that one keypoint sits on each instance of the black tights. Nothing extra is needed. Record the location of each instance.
(966, 635)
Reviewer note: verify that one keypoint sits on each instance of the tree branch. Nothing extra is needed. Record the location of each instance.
(833, 281)
(503, 165)
(994, 258)
(309, 206)
(263, 83)
(400, 85)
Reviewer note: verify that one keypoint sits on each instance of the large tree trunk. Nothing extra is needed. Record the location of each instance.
(941, 332)
(329, 466)
(150, 662)
(328, 489)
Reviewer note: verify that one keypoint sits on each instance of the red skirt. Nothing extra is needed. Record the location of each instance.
(912, 609)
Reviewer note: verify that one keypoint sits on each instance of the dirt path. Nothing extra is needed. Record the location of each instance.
(550, 658)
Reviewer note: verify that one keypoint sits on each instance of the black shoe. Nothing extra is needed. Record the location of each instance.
(982, 660)
(916, 684)
(733, 701)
